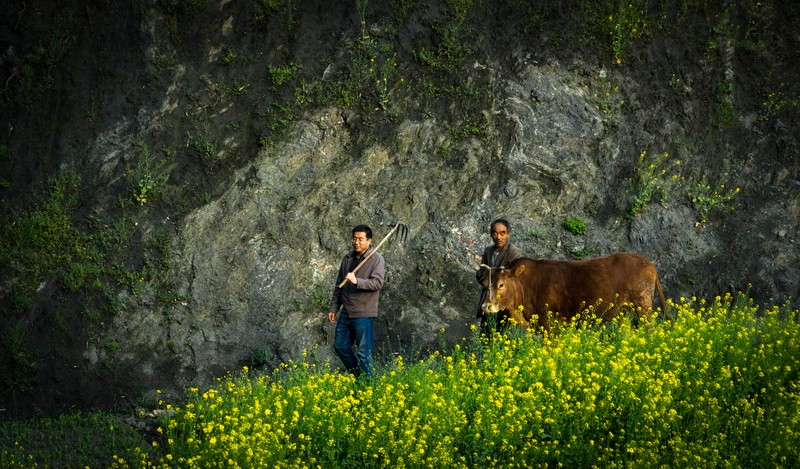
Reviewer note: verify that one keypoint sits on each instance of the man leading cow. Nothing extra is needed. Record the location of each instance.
(501, 253)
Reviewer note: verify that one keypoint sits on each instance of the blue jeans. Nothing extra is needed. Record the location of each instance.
(358, 332)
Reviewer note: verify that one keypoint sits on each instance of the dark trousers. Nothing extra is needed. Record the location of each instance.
(358, 333)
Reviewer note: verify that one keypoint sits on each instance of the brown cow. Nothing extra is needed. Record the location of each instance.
(539, 287)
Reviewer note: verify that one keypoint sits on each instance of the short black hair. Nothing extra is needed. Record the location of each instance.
(363, 229)
(502, 221)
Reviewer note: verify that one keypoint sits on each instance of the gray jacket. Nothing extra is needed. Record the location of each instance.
(361, 300)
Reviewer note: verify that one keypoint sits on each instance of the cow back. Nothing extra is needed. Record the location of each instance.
(563, 288)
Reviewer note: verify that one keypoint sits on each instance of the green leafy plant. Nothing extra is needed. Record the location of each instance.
(443, 151)
(149, 177)
(317, 300)
(469, 127)
(620, 22)
(450, 53)
(361, 7)
(280, 74)
(575, 225)
(402, 8)
(707, 197)
(679, 85)
(259, 357)
(203, 145)
(776, 103)
(582, 252)
(460, 8)
(626, 26)
(229, 57)
(653, 178)
(608, 99)
(279, 119)
(46, 241)
(76, 439)
(536, 233)
(385, 79)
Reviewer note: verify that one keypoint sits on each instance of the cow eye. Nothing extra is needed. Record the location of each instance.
(501, 285)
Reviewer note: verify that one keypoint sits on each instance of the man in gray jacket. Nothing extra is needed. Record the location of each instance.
(501, 253)
(358, 301)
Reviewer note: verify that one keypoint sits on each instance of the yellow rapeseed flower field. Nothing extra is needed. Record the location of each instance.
(717, 386)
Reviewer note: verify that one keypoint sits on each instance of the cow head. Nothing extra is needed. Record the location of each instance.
(504, 290)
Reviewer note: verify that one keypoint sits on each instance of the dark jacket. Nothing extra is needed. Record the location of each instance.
(506, 256)
(359, 301)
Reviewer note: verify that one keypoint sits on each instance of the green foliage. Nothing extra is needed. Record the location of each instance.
(608, 99)
(653, 178)
(361, 7)
(575, 225)
(401, 8)
(35, 246)
(707, 197)
(714, 387)
(620, 22)
(776, 103)
(317, 301)
(229, 57)
(280, 119)
(726, 114)
(384, 76)
(203, 145)
(280, 74)
(468, 127)
(259, 357)
(149, 177)
(536, 233)
(451, 52)
(582, 252)
(48, 243)
(460, 8)
(657, 178)
(679, 85)
(39, 66)
(70, 440)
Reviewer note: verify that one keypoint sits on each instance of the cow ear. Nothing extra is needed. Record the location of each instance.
(519, 270)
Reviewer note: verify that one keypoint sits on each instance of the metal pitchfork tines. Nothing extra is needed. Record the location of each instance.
(402, 233)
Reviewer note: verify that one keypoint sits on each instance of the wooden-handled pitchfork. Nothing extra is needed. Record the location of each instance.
(402, 233)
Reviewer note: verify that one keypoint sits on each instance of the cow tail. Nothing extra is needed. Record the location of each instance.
(661, 297)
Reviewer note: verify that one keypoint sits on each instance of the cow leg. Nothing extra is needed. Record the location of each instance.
(642, 301)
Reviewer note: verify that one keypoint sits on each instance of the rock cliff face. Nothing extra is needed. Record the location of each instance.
(224, 150)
